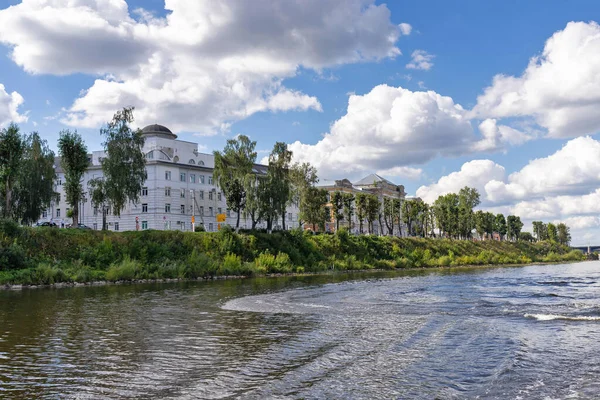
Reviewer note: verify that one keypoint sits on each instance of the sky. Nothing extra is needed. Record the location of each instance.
(502, 95)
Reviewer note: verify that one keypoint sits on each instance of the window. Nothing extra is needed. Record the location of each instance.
(95, 225)
(183, 208)
(58, 212)
(182, 177)
(201, 195)
(167, 175)
(60, 182)
(144, 191)
(167, 208)
(168, 191)
(145, 208)
(210, 227)
(219, 196)
(182, 193)
(116, 226)
(228, 212)
(200, 162)
(182, 226)
(210, 180)
(193, 193)
(58, 198)
(95, 211)
(201, 210)
(192, 161)
(210, 195)
(210, 211)
(219, 210)
(150, 155)
(192, 178)
(289, 216)
(144, 224)
(44, 214)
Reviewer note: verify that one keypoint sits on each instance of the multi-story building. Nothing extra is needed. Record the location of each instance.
(371, 184)
(179, 187)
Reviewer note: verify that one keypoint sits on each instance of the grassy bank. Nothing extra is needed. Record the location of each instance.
(38, 256)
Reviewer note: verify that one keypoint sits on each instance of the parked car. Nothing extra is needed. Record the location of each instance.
(80, 226)
(47, 224)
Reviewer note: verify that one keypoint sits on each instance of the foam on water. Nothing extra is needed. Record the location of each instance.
(551, 317)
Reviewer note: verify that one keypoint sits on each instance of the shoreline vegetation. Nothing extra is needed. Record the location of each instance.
(48, 256)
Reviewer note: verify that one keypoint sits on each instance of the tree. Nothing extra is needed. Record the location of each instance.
(313, 208)
(446, 213)
(410, 212)
(34, 189)
(390, 212)
(500, 225)
(489, 220)
(337, 203)
(302, 177)
(361, 210)
(468, 199)
(372, 211)
(231, 171)
(254, 209)
(514, 226)
(124, 166)
(348, 199)
(277, 191)
(480, 223)
(74, 161)
(526, 237)
(538, 226)
(552, 232)
(11, 152)
(564, 234)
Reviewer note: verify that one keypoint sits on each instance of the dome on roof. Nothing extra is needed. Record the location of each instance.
(159, 130)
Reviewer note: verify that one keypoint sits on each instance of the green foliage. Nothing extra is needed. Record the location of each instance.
(313, 208)
(124, 270)
(74, 161)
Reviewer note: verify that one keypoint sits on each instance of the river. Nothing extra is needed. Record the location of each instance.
(507, 333)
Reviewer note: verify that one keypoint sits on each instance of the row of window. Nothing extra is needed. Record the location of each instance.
(182, 193)
(182, 209)
(192, 177)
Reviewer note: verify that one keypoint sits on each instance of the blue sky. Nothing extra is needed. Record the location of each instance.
(469, 43)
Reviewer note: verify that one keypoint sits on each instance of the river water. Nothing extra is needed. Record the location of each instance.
(507, 333)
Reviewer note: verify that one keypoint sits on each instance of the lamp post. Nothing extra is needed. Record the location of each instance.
(192, 194)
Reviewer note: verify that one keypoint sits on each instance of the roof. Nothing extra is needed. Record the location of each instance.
(370, 179)
(158, 130)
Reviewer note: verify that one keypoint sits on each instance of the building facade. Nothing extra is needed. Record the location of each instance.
(179, 188)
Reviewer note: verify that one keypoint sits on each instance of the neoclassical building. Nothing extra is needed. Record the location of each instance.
(179, 186)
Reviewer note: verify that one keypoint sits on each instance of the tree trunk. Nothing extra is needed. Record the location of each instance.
(75, 216)
(237, 224)
(283, 219)
(104, 227)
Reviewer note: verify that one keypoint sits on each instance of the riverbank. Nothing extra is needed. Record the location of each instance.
(58, 285)
(45, 256)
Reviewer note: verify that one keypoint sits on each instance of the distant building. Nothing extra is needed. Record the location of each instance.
(371, 184)
(179, 185)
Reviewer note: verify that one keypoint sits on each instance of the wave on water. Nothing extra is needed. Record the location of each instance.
(551, 317)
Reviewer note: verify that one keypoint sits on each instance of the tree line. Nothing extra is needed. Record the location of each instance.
(28, 176)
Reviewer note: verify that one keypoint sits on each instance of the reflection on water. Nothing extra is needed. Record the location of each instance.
(530, 332)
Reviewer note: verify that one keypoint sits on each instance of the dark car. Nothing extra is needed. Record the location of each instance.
(80, 226)
(47, 224)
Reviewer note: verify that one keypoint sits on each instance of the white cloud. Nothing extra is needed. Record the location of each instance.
(476, 173)
(405, 28)
(205, 65)
(420, 59)
(402, 172)
(495, 137)
(9, 107)
(392, 127)
(574, 169)
(560, 89)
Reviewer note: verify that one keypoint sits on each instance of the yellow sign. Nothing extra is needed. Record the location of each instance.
(221, 217)
(193, 219)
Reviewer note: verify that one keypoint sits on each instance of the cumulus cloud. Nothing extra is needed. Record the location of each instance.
(559, 89)
(391, 128)
(476, 173)
(405, 28)
(205, 65)
(563, 187)
(9, 107)
(402, 172)
(420, 59)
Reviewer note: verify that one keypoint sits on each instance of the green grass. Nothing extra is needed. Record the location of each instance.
(34, 256)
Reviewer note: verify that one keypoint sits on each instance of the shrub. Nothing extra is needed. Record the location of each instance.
(125, 270)
(197, 265)
(12, 257)
(231, 265)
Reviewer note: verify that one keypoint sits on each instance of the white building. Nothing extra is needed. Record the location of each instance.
(179, 186)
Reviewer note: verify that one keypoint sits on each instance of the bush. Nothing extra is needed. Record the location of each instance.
(197, 265)
(125, 270)
(231, 265)
(13, 257)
